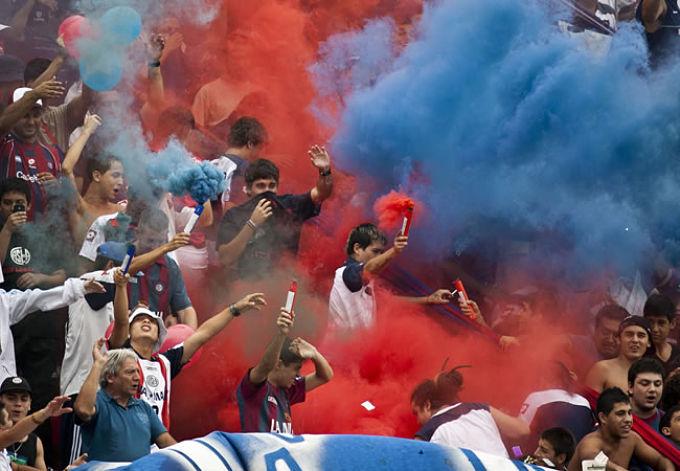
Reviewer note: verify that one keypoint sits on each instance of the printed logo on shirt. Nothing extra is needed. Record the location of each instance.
(159, 288)
(278, 427)
(91, 234)
(152, 381)
(28, 178)
(20, 256)
(31, 161)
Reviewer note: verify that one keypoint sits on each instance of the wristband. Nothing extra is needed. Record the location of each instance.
(234, 311)
(155, 64)
(325, 173)
(251, 224)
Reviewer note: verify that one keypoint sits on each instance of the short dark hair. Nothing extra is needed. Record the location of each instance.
(35, 69)
(667, 417)
(246, 130)
(670, 397)
(101, 164)
(561, 440)
(364, 235)
(154, 218)
(259, 169)
(422, 393)
(610, 397)
(16, 185)
(658, 305)
(611, 311)
(288, 357)
(645, 365)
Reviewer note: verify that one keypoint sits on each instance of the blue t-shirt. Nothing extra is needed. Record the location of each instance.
(117, 433)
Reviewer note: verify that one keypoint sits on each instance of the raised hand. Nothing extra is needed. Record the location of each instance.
(98, 354)
(92, 286)
(262, 212)
(302, 348)
(49, 89)
(181, 239)
(441, 296)
(284, 321)
(120, 279)
(400, 243)
(251, 301)
(16, 221)
(91, 123)
(155, 45)
(56, 407)
(470, 309)
(320, 158)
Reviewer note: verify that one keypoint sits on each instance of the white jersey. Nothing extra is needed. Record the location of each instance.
(156, 386)
(351, 310)
(85, 326)
(95, 237)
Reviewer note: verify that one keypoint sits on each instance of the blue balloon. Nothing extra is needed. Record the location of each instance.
(121, 25)
(101, 72)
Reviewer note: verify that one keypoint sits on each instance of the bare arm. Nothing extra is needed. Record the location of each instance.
(652, 12)
(215, 324)
(324, 184)
(77, 108)
(165, 440)
(85, 406)
(51, 71)
(323, 372)
(40, 456)
(29, 423)
(14, 112)
(143, 261)
(441, 296)
(231, 251)
(20, 19)
(650, 456)
(188, 316)
(595, 377)
(259, 373)
(121, 314)
(92, 122)
(512, 427)
(13, 223)
(377, 264)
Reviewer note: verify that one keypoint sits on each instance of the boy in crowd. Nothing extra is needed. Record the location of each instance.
(635, 339)
(645, 386)
(267, 390)
(15, 395)
(352, 301)
(669, 426)
(254, 235)
(555, 448)
(615, 438)
(659, 310)
(447, 421)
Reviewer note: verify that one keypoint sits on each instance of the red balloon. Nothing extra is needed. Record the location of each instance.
(177, 334)
(71, 29)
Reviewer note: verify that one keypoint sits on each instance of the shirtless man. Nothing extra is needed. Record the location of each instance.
(615, 438)
(635, 338)
(106, 181)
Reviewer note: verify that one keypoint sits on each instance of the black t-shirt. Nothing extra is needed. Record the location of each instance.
(24, 453)
(280, 234)
(664, 43)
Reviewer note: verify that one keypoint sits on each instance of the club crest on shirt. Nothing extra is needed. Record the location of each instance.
(152, 381)
(20, 256)
(159, 288)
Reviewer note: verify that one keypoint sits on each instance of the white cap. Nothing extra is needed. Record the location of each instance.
(162, 331)
(20, 92)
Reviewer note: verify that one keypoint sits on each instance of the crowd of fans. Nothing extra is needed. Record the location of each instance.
(80, 338)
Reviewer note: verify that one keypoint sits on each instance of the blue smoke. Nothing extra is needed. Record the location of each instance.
(521, 132)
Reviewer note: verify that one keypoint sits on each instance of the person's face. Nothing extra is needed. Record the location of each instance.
(673, 431)
(126, 380)
(262, 185)
(369, 253)
(619, 421)
(112, 181)
(17, 404)
(144, 327)
(148, 238)
(519, 312)
(10, 199)
(284, 375)
(634, 342)
(661, 327)
(646, 391)
(27, 128)
(545, 450)
(606, 340)
(423, 413)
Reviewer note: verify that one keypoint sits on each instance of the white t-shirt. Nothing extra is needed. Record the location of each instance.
(85, 326)
(351, 310)
(4, 461)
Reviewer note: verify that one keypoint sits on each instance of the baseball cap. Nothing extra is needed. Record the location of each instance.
(19, 94)
(11, 69)
(638, 321)
(162, 331)
(15, 384)
(115, 251)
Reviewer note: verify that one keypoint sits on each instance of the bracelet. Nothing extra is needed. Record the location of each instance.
(155, 64)
(252, 224)
(234, 311)
(34, 420)
(324, 173)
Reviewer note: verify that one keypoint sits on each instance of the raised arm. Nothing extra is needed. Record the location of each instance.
(92, 122)
(377, 264)
(14, 112)
(324, 184)
(259, 373)
(216, 323)
(121, 314)
(323, 372)
(231, 251)
(52, 69)
(13, 223)
(29, 423)
(20, 19)
(85, 406)
(143, 261)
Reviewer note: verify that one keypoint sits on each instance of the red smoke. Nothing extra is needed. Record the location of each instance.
(392, 208)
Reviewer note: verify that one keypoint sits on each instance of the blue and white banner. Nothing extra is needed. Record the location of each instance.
(271, 452)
